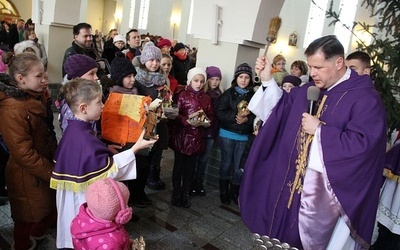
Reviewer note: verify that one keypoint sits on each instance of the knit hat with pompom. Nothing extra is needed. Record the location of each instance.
(150, 52)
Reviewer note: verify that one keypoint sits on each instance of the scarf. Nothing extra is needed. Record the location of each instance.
(149, 79)
(180, 56)
(123, 90)
(241, 91)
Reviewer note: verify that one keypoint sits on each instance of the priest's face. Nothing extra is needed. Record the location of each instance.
(325, 72)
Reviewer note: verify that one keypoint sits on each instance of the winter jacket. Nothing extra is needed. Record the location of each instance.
(226, 112)
(180, 69)
(32, 146)
(89, 232)
(187, 139)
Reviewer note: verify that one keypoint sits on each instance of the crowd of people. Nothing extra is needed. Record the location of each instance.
(293, 172)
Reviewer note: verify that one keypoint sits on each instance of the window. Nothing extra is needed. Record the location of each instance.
(316, 19)
(132, 14)
(347, 12)
(144, 14)
(8, 12)
(189, 30)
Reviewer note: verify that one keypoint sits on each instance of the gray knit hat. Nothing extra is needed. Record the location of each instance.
(150, 52)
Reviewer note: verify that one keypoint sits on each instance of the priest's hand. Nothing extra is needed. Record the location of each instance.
(309, 123)
(263, 68)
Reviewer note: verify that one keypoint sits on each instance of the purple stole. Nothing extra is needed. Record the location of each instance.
(81, 158)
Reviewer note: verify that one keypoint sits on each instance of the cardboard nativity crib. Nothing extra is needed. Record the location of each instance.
(124, 117)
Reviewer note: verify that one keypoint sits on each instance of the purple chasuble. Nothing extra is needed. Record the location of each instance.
(80, 159)
(353, 143)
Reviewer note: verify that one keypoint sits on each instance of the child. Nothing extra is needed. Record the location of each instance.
(31, 147)
(299, 68)
(150, 81)
(236, 123)
(123, 82)
(81, 158)
(165, 46)
(30, 35)
(100, 221)
(123, 75)
(278, 69)
(118, 46)
(290, 82)
(29, 46)
(166, 64)
(181, 63)
(187, 142)
(77, 65)
(212, 88)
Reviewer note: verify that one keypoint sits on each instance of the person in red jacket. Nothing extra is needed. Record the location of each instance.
(187, 141)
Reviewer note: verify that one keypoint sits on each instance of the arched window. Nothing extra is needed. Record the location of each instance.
(8, 12)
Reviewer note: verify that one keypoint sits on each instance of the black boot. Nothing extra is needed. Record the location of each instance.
(176, 197)
(234, 193)
(153, 181)
(223, 191)
(186, 200)
(176, 193)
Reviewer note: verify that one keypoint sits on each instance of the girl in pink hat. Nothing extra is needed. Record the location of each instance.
(100, 220)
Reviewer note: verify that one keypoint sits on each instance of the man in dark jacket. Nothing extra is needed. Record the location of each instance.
(82, 44)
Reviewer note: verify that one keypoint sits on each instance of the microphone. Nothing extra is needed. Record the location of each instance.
(312, 97)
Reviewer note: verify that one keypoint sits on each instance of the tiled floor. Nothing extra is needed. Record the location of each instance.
(206, 225)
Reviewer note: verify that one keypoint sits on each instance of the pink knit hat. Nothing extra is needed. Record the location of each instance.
(107, 199)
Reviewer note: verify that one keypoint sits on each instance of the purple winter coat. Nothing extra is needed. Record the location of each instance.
(187, 139)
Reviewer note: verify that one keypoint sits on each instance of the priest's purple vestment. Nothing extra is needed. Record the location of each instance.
(353, 140)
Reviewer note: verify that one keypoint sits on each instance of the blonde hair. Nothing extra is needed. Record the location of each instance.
(80, 90)
(207, 86)
(278, 58)
(19, 64)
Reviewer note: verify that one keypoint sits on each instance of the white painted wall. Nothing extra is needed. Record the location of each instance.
(94, 13)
